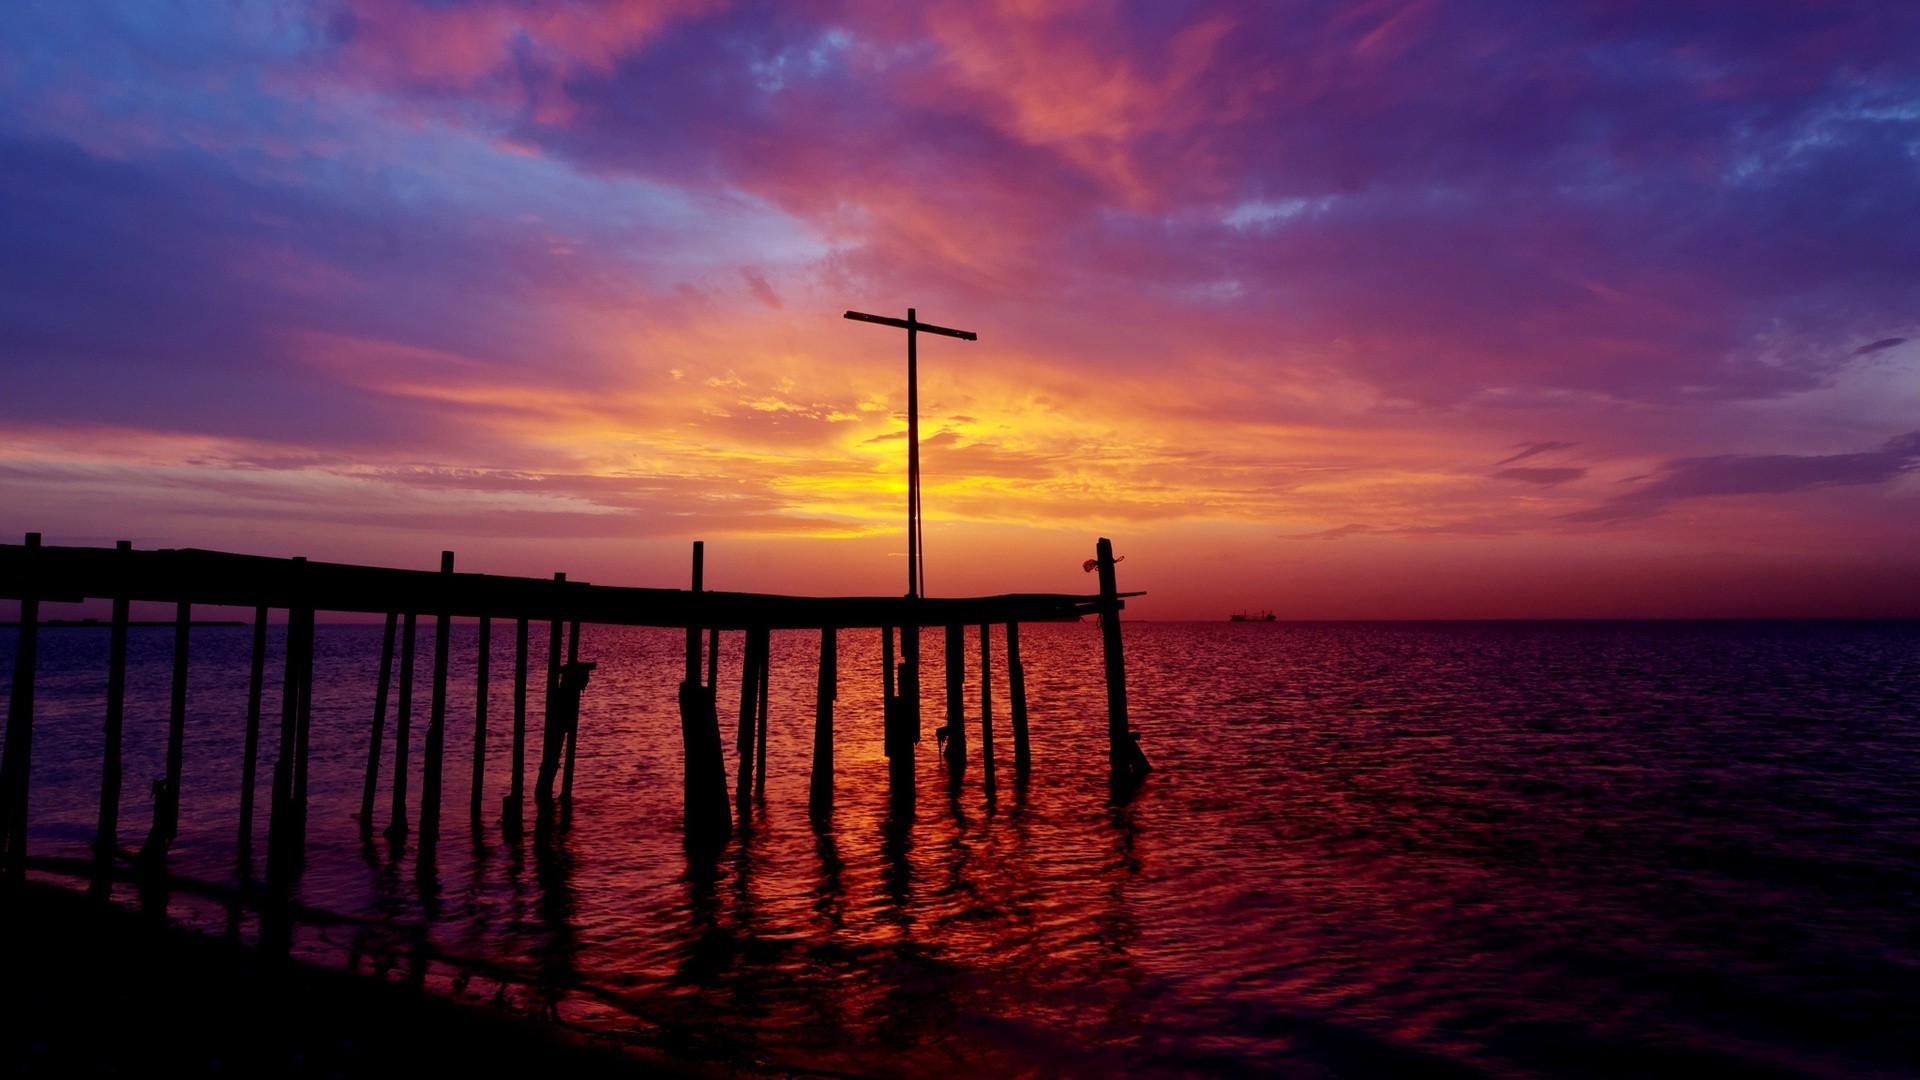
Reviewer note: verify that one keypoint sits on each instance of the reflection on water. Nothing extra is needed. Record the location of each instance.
(1506, 849)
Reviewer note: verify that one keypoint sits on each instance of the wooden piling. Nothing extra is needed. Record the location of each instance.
(1017, 703)
(106, 834)
(705, 816)
(482, 685)
(573, 716)
(303, 734)
(378, 730)
(510, 806)
(16, 761)
(910, 701)
(820, 789)
(763, 644)
(250, 751)
(166, 791)
(954, 744)
(430, 777)
(986, 706)
(402, 728)
(280, 823)
(552, 728)
(897, 738)
(1123, 753)
(743, 740)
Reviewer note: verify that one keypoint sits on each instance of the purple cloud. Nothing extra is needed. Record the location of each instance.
(1768, 474)
(1543, 477)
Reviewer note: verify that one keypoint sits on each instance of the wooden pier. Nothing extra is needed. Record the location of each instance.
(191, 579)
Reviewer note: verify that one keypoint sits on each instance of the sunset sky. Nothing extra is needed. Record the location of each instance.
(1342, 310)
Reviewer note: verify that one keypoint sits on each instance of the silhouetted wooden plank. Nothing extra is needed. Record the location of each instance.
(219, 578)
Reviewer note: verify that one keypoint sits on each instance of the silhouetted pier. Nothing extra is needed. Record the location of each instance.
(194, 579)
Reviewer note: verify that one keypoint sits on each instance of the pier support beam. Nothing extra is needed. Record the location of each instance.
(902, 724)
(763, 644)
(953, 737)
(377, 732)
(820, 789)
(286, 827)
(511, 818)
(250, 753)
(166, 790)
(1123, 748)
(402, 723)
(482, 685)
(573, 716)
(434, 766)
(986, 706)
(705, 815)
(106, 835)
(1017, 704)
(16, 761)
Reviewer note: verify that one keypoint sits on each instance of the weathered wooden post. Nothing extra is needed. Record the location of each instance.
(483, 683)
(705, 815)
(820, 789)
(378, 731)
(250, 753)
(899, 726)
(750, 660)
(1017, 703)
(16, 767)
(986, 705)
(1123, 752)
(436, 716)
(303, 728)
(563, 715)
(280, 824)
(763, 644)
(510, 806)
(402, 725)
(573, 713)
(953, 737)
(166, 790)
(552, 732)
(106, 835)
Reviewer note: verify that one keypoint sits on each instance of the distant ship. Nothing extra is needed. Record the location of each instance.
(1252, 616)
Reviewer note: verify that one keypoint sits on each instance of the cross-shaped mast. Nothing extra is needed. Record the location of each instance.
(916, 573)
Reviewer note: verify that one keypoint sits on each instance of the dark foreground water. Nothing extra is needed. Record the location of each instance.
(1366, 849)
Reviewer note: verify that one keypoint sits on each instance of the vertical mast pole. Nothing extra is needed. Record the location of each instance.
(914, 575)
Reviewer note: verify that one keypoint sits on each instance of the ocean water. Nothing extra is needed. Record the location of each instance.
(1366, 849)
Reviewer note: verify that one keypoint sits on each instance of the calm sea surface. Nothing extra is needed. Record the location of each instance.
(1366, 849)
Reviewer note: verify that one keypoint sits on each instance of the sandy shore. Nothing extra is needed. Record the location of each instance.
(100, 991)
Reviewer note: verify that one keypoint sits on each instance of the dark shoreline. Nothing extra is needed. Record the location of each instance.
(101, 990)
